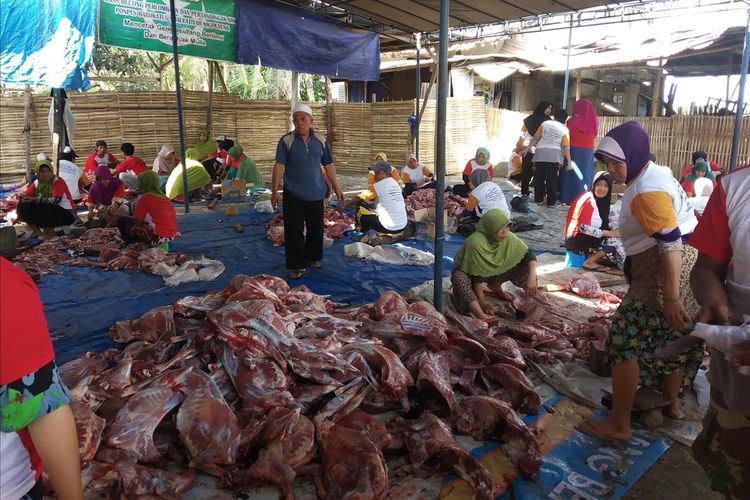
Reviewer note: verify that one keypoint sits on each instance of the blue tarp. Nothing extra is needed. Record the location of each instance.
(47, 42)
(81, 303)
(288, 38)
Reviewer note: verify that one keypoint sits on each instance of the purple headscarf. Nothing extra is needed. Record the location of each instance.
(100, 193)
(627, 143)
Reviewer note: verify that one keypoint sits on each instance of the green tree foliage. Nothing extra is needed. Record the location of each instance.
(249, 82)
(116, 62)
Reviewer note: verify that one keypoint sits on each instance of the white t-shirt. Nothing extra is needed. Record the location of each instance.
(18, 476)
(549, 147)
(391, 209)
(653, 178)
(71, 174)
(489, 195)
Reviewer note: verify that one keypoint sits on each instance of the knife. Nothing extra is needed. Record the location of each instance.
(677, 346)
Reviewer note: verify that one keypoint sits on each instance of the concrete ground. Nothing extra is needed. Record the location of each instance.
(674, 475)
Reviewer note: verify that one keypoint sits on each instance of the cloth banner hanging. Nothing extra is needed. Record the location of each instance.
(205, 28)
(289, 38)
(47, 42)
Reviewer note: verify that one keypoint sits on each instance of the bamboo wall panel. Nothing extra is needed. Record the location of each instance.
(390, 132)
(149, 120)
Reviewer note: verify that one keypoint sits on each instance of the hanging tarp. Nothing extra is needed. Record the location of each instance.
(46, 42)
(205, 28)
(283, 37)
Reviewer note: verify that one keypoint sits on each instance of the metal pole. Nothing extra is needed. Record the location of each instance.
(175, 57)
(740, 98)
(58, 137)
(442, 108)
(209, 116)
(567, 65)
(27, 132)
(417, 93)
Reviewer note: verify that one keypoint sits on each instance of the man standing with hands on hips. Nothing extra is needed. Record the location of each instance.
(299, 157)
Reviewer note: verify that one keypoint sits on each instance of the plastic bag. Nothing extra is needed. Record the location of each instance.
(264, 207)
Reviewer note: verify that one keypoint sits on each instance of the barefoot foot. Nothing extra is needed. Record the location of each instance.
(604, 429)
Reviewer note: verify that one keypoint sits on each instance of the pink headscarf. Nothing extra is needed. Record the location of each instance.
(584, 117)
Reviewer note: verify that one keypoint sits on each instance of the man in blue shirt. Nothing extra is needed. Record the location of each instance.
(299, 157)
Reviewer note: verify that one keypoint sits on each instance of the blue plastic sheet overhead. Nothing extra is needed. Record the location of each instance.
(288, 38)
(47, 42)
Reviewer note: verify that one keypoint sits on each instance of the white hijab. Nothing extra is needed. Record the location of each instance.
(163, 164)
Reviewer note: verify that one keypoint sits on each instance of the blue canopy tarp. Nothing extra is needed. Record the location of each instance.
(47, 42)
(288, 38)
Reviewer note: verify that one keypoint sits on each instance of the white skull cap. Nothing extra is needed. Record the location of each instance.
(42, 157)
(302, 107)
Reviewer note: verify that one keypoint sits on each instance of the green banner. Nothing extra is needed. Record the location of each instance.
(205, 28)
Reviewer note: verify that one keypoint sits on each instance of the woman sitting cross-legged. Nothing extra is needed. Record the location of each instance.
(491, 255)
(588, 227)
(155, 221)
(46, 203)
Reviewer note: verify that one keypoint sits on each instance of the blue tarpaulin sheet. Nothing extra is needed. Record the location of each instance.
(574, 465)
(82, 303)
(288, 38)
(47, 42)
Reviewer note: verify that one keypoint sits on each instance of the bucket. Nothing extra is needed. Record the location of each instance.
(573, 259)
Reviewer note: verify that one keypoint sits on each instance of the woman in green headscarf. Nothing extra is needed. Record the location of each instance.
(197, 177)
(155, 221)
(242, 167)
(700, 169)
(481, 161)
(204, 146)
(46, 203)
(491, 255)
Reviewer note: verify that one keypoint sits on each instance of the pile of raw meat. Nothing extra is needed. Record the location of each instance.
(425, 198)
(335, 223)
(261, 384)
(44, 258)
(8, 208)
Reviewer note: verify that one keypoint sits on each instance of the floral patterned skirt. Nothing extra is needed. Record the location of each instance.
(639, 328)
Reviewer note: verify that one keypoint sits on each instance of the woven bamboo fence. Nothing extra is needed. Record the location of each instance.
(149, 120)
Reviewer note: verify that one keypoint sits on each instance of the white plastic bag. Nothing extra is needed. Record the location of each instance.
(264, 207)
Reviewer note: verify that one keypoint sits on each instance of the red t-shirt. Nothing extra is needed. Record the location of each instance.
(59, 190)
(469, 168)
(161, 211)
(581, 211)
(137, 165)
(711, 236)
(580, 139)
(91, 162)
(24, 337)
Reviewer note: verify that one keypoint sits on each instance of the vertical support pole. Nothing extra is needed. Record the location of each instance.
(210, 95)
(740, 98)
(442, 111)
(178, 90)
(656, 100)
(329, 114)
(729, 77)
(295, 94)
(27, 131)
(417, 94)
(567, 65)
(58, 135)
(578, 84)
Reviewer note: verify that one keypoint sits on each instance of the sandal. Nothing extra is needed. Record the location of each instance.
(296, 274)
